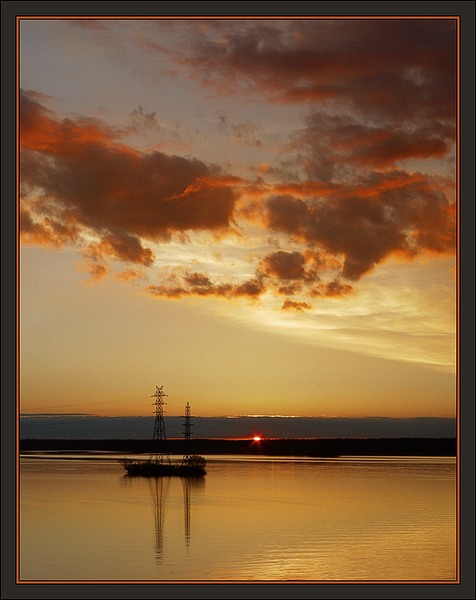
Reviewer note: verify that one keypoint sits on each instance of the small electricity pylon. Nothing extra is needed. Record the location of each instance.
(159, 426)
(187, 430)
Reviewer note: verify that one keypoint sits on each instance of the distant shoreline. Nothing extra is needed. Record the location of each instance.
(317, 447)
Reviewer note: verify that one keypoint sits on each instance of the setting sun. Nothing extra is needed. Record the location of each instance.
(257, 438)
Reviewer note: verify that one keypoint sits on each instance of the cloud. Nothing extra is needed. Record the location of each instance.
(123, 247)
(42, 132)
(309, 273)
(352, 209)
(46, 231)
(284, 265)
(278, 273)
(298, 306)
(332, 288)
(335, 146)
(199, 284)
(379, 91)
(393, 67)
(98, 271)
(77, 175)
(388, 213)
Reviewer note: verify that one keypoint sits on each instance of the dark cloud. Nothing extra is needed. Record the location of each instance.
(199, 284)
(386, 88)
(122, 247)
(284, 265)
(331, 145)
(310, 274)
(395, 67)
(77, 178)
(388, 213)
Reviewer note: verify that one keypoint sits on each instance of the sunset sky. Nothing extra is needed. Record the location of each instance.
(259, 215)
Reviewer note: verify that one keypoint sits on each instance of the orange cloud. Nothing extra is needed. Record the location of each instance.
(293, 305)
(122, 247)
(46, 230)
(401, 215)
(332, 288)
(130, 275)
(310, 274)
(199, 284)
(96, 271)
(88, 182)
(182, 283)
(40, 131)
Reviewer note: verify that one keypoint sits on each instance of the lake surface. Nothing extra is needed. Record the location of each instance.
(249, 519)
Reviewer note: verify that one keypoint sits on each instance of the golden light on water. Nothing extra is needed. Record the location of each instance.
(327, 520)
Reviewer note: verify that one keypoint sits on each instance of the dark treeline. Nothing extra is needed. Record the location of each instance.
(269, 447)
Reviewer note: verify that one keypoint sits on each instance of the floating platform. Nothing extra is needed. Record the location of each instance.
(192, 466)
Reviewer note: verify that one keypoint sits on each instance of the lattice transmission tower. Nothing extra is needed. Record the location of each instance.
(159, 426)
(187, 430)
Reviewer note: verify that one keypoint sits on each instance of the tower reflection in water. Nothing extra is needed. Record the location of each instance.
(159, 488)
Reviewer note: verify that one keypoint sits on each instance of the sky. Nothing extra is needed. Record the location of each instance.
(259, 215)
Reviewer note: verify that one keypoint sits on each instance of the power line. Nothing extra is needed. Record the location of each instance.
(101, 402)
(194, 401)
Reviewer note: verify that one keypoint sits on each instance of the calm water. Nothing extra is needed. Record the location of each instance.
(250, 518)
